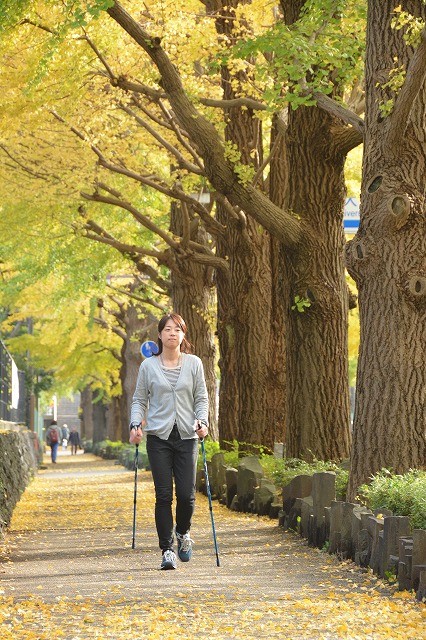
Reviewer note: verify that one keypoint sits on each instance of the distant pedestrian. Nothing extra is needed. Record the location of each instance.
(65, 436)
(74, 440)
(172, 389)
(53, 438)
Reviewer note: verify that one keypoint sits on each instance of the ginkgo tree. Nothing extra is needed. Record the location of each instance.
(85, 330)
(311, 263)
(63, 338)
(387, 256)
(67, 145)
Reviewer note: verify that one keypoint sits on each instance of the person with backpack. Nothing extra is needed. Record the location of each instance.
(53, 438)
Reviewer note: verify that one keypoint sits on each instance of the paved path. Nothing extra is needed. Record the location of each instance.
(69, 572)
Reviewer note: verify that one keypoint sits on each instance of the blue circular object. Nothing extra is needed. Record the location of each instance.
(149, 348)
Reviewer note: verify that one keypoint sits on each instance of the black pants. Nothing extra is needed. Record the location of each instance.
(172, 458)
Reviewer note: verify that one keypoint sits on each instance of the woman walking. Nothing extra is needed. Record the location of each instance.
(171, 391)
(74, 441)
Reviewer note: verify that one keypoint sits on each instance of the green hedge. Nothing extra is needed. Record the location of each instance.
(404, 495)
(121, 451)
(279, 470)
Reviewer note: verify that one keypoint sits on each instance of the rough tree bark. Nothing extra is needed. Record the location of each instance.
(276, 381)
(138, 328)
(86, 414)
(192, 297)
(245, 303)
(387, 257)
(317, 362)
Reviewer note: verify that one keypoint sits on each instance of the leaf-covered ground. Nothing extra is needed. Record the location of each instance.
(69, 571)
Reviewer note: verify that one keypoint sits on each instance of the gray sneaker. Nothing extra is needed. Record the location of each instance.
(169, 560)
(184, 546)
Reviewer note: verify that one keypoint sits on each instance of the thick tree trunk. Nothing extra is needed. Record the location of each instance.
(99, 422)
(387, 260)
(245, 296)
(244, 321)
(318, 411)
(114, 419)
(193, 298)
(138, 327)
(317, 361)
(280, 294)
(86, 413)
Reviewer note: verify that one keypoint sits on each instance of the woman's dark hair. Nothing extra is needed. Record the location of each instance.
(186, 346)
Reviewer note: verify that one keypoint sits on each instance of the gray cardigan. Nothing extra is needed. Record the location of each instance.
(184, 404)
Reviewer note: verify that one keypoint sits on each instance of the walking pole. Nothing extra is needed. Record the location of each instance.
(206, 474)
(134, 495)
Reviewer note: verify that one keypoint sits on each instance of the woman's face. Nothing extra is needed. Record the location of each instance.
(172, 335)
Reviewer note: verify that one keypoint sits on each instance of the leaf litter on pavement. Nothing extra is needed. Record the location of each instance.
(344, 604)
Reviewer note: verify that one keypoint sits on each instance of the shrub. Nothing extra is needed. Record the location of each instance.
(404, 495)
(124, 452)
(239, 450)
(87, 445)
(282, 470)
(279, 470)
(211, 447)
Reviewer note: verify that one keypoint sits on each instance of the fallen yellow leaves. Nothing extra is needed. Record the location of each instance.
(88, 502)
(196, 601)
(327, 617)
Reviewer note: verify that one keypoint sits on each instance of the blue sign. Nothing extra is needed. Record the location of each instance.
(351, 215)
(149, 348)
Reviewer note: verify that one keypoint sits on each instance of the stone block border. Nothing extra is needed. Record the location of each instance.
(307, 505)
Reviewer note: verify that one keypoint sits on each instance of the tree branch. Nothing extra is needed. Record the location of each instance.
(182, 162)
(210, 223)
(141, 299)
(99, 55)
(137, 102)
(157, 94)
(181, 135)
(339, 111)
(122, 247)
(234, 103)
(105, 325)
(414, 80)
(143, 220)
(43, 27)
(138, 87)
(24, 168)
(210, 261)
(281, 224)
